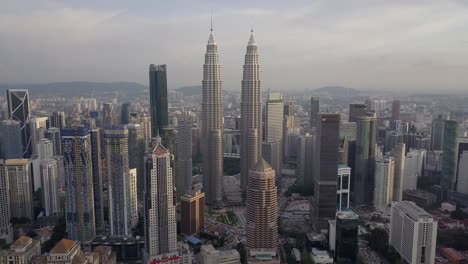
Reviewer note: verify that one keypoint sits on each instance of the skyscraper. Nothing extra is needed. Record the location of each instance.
(413, 233)
(437, 133)
(396, 109)
(212, 125)
(343, 187)
(57, 120)
(19, 110)
(462, 185)
(10, 140)
(192, 213)
(364, 160)
(304, 161)
(184, 155)
(136, 151)
(50, 186)
(271, 154)
(450, 155)
(6, 230)
(38, 126)
(121, 198)
(160, 222)
(158, 98)
(383, 190)
(314, 110)
(107, 115)
(274, 126)
(96, 157)
(398, 154)
(53, 134)
(125, 113)
(20, 186)
(346, 242)
(79, 212)
(262, 208)
(357, 110)
(325, 170)
(251, 111)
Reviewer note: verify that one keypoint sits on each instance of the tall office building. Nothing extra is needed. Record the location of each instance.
(57, 119)
(50, 186)
(356, 111)
(158, 98)
(325, 170)
(343, 187)
(38, 126)
(346, 237)
(10, 140)
(314, 110)
(304, 161)
(414, 166)
(6, 230)
(274, 125)
(212, 125)
(53, 134)
(121, 198)
(19, 110)
(184, 155)
(462, 185)
(136, 151)
(79, 212)
(96, 157)
(45, 149)
(413, 233)
(125, 114)
(437, 133)
(450, 155)
(383, 190)
(365, 160)
(271, 154)
(19, 180)
(398, 154)
(262, 208)
(160, 222)
(396, 109)
(107, 115)
(192, 213)
(251, 111)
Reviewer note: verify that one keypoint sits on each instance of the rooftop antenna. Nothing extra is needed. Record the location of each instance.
(211, 28)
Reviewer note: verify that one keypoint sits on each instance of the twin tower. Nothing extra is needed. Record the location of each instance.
(212, 119)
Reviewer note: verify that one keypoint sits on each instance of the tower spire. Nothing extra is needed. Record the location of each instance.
(211, 27)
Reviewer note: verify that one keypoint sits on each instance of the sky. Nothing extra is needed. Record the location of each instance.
(368, 44)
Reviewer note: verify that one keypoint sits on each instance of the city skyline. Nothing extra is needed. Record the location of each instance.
(366, 58)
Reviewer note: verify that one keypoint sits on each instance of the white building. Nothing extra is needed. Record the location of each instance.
(343, 186)
(210, 255)
(462, 185)
(383, 188)
(413, 233)
(274, 125)
(414, 165)
(50, 186)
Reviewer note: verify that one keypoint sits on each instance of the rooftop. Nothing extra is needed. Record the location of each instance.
(412, 210)
(64, 246)
(21, 242)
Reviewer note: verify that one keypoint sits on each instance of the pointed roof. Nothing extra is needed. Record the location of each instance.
(211, 40)
(64, 246)
(158, 148)
(262, 165)
(252, 41)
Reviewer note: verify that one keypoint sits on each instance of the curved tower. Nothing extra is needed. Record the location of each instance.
(212, 125)
(251, 112)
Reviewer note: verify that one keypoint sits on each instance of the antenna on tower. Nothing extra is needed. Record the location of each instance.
(211, 28)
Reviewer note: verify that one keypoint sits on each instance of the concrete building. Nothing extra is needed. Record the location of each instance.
(107, 115)
(126, 249)
(184, 155)
(192, 213)
(57, 119)
(66, 252)
(19, 179)
(53, 134)
(125, 114)
(398, 154)
(158, 98)
(271, 154)
(79, 211)
(123, 215)
(136, 151)
(356, 111)
(414, 168)
(38, 126)
(19, 110)
(97, 168)
(273, 126)
(251, 112)
(413, 233)
(11, 146)
(383, 190)
(423, 199)
(437, 133)
(50, 186)
(305, 160)
(450, 155)
(22, 251)
(343, 187)
(209, 255)
(262, 209)
(314, 110)
(6, 230)
(396, 109)
(462, 186)
(212, 125)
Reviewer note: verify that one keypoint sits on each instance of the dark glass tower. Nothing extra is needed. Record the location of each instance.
(125, 114)
(396, 109)
(437, 133)
(314, 110)
(346, 244)
(357, 110)
(18, 110)
(450, 155)
(158, 98)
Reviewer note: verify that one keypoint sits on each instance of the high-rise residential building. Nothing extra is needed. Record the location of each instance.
(450, 155)
(462, 185)
(396, 109)
(19, 110)
(356, 111)
(271, 154)
(125, 114)
(437, 133)
(184, 155)
(158, 98)
(343, 187)
(6, 230)
(53, 134)
(325, 170)
(314, 110)
(274, 125)
(22, 251)
(79, 211)
(121, 198)
(192, 213)
(365, 160)
(45, 149)
(413, 233)
(398, 154)
(159, 208)
(107, 115)
(251, 112)
(20, 185)
(383, 190)
(346, 237)
(57, 119)
(10, 140)
(136, 153)
(212, 125)
(50, 186)
(262, 209)
(96, 157)
(414, 167)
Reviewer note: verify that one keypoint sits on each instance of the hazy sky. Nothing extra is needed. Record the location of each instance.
(367, 44)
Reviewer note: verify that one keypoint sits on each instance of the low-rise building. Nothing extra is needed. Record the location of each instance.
(209, 255)
(22, 251)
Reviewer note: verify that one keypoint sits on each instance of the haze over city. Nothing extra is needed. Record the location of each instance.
(369, 45)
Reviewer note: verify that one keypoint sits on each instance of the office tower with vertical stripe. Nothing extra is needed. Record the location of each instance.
(158, 98)
(19, 110)
(136, 154)
(450, 155)
(6, 229)
(274, 126)
(184, 155)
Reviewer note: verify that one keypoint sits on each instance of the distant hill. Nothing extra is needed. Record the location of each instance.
(76, 88)
(190, 90)
(337, 91)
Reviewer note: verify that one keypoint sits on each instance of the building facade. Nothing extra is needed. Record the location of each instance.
(383, 190)
(10, 140)
(20, 185)
(274, 126)
(346, 242)
(450, 155)
(314, 110)
(158, 98)
(97, 168)
(19, 110)
(192, 213)
(343, 187)
(184, 155)
(50, 186)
